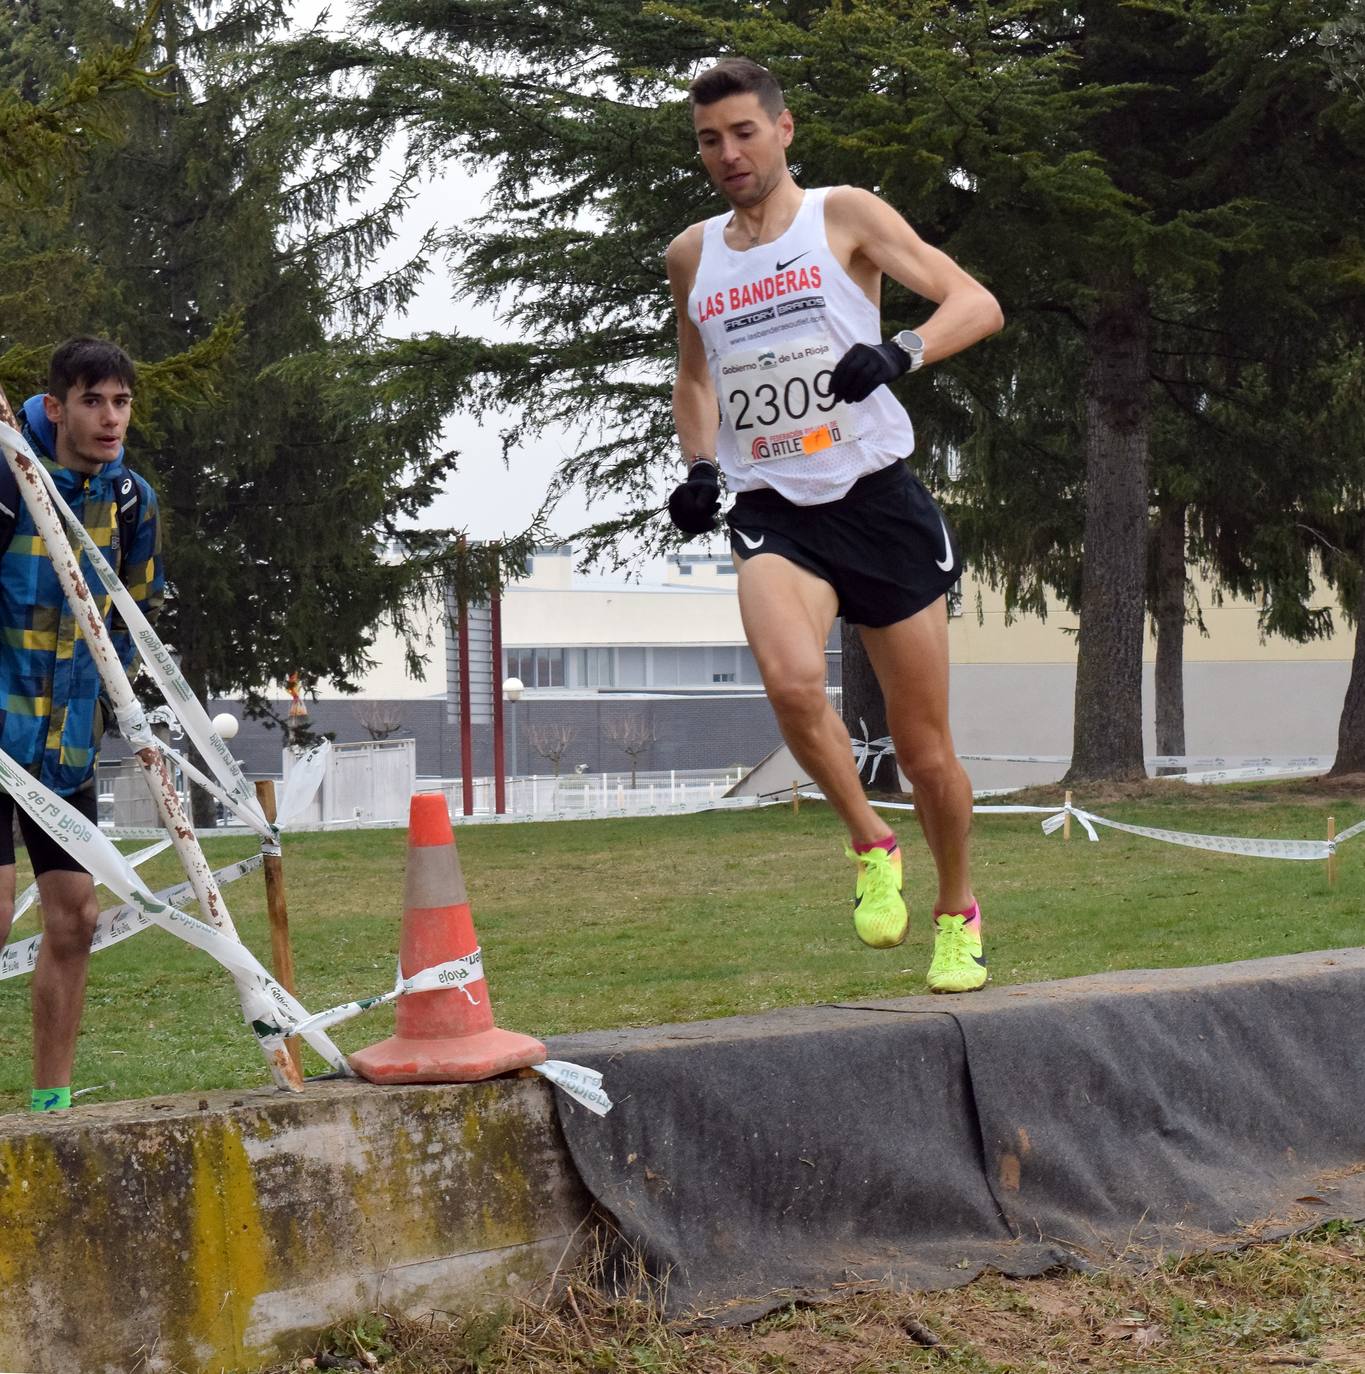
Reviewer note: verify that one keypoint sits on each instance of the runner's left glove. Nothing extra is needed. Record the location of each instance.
(695, 503)
(864, 368)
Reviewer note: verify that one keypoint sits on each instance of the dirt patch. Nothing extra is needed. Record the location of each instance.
(1297, 1304)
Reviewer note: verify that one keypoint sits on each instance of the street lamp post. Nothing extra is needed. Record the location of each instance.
(512, 688)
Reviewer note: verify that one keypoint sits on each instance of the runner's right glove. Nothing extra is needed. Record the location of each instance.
(695, 503)
(864, 368)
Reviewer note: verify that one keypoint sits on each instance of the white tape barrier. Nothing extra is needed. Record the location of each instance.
(872, 752)
(274, 1014)
(460, 973)
(30, 894)
(238, 794)
(118, 923)
(1304, 850)
(583, 1085)
(1308, 850)
(305, 777)
(262, 997)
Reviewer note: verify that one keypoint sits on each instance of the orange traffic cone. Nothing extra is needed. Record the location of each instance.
(446, 1035)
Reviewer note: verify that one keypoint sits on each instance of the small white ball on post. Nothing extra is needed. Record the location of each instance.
(226, 725)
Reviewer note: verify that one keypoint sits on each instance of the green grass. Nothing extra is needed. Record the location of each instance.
(635, 922)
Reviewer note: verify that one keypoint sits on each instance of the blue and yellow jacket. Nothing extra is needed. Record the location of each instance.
(49, 685)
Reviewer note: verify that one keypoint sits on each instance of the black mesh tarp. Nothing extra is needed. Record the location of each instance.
(924, 1139)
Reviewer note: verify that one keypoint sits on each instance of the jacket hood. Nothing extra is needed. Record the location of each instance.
(44, 434)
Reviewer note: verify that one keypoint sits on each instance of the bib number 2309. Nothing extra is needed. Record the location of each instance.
(778, 401)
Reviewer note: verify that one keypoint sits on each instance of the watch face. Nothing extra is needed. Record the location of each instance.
(910, 341)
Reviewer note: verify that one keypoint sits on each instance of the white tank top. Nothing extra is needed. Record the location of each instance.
(774, 321)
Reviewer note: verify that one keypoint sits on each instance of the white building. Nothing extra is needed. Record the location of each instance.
(601, 644)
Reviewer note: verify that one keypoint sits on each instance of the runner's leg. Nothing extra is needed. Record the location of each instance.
(788, 613)
(910, 659)
(70, 910)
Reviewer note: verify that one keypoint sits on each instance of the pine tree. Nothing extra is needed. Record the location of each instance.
(287, 499)
(1129, 180)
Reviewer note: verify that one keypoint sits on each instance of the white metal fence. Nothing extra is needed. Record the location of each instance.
(583, 795)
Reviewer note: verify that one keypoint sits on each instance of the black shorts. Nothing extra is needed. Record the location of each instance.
(44, 853)
(883, 546)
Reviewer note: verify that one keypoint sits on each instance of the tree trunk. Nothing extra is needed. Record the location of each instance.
(1107, 742)
(1170, 632)
(1351, 728)
(864, 711)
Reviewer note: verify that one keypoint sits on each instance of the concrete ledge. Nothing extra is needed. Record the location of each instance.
(217, 1230)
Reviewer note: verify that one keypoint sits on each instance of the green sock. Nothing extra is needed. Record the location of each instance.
(49, 1100)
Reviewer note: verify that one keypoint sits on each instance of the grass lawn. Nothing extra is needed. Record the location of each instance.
(610, 923)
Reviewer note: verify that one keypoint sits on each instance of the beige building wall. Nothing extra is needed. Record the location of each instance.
(1233, 634)
(1012, 684)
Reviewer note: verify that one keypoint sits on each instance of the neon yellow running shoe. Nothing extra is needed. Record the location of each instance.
(879, 914)
(958, 964)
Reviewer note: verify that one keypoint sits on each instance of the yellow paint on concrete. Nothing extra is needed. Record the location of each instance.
(185, 1233)
(32, 1193)
(227, 1264)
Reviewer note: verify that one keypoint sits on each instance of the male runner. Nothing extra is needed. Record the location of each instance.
(782, 381)
(50, 720)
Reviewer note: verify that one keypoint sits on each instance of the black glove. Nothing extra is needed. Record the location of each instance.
(695, 503)
(864, 368)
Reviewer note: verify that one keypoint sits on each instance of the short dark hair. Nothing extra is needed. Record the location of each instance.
(90, 361)
(738, 76)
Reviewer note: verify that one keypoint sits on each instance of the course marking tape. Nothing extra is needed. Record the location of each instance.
(118, 923)
(1302, 850)
(583, 1085)
(1305, 850)
(30, 893)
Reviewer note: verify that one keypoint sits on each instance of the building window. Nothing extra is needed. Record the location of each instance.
(684, 570)
(590, 667)
(630, 668)
(537, 667)
(955, 599)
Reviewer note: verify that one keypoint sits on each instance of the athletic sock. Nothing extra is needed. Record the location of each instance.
(49, 1099)
(972, 913)
(887, 842)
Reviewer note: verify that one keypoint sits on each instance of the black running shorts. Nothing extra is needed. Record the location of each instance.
(883, 546)
(44, 853)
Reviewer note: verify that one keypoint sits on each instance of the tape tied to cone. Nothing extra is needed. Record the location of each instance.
(444, 1028)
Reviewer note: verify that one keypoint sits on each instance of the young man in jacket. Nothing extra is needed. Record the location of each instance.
(50, 714)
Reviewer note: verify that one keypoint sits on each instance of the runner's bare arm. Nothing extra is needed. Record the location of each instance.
(867, 234)
(695, 411)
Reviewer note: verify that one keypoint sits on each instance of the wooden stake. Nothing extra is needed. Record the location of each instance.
(1331, 858)
(796, 797)
(281, 955)
(1066, 820)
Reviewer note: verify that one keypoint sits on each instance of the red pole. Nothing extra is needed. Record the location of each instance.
(466, 722)
(499, 743)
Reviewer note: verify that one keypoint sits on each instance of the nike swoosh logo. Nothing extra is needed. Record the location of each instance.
(751, 543)
(946, 561)
(782, 266)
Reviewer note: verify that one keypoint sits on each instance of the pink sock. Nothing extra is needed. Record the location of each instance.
(973, 914)
(887, 842)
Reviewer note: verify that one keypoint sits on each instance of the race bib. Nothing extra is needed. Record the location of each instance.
(777, 400)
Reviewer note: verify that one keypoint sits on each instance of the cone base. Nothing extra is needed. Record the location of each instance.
(458, 1059)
